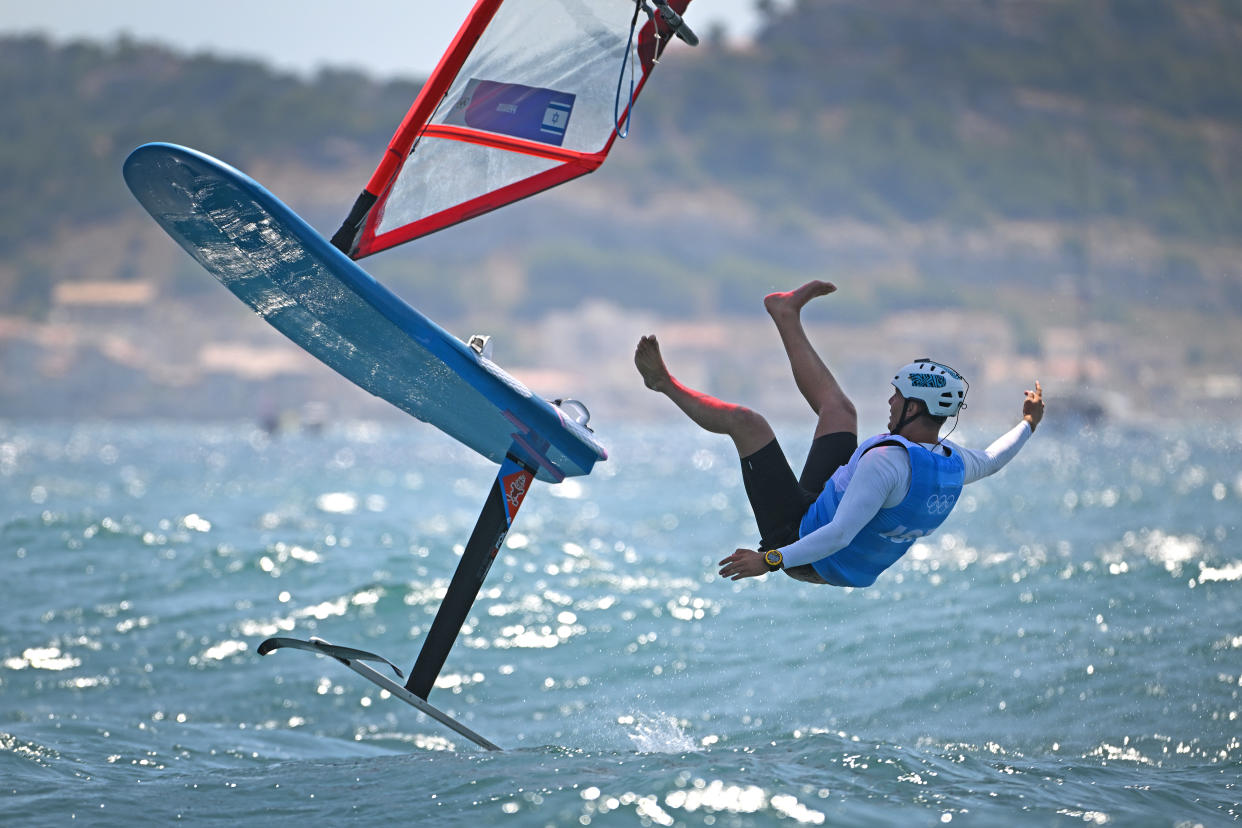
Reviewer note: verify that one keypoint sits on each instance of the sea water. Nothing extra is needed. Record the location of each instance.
(1067, 650)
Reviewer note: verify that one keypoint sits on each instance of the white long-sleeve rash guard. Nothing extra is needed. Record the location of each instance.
(881, 482)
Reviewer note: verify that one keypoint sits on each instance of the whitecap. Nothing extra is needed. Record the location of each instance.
(42, 658)
(1229, 572)
(658, 733)
(225, 649)
(337, 503)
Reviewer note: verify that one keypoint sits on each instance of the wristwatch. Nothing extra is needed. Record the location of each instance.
(773, 559)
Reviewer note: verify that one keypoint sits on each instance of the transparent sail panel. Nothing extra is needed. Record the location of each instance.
(449, 173)
(546, 70)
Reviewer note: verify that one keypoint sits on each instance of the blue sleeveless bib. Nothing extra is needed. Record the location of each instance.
(935, 483)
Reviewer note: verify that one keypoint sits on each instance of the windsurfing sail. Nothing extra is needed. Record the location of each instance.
(529, 95)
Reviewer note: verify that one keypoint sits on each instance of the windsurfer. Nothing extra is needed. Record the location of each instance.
(855, 509)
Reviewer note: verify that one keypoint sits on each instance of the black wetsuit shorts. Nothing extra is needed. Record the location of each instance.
(780, 500)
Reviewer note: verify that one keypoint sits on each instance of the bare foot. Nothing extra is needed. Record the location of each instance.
(651, 365)
(790, 303)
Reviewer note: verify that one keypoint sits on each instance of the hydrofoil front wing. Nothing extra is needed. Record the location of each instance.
(356, 661)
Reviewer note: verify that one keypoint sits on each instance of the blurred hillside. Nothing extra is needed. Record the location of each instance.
(1048, 187)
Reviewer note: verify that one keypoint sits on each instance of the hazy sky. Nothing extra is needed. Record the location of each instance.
(382, 37)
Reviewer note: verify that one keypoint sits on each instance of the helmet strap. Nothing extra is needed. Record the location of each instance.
(906, 419)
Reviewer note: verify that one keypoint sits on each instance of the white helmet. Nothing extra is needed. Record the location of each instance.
(941, 389)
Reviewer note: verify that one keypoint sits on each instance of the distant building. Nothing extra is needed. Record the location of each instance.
(101, 302)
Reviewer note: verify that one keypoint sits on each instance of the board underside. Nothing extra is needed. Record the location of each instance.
(317, 297)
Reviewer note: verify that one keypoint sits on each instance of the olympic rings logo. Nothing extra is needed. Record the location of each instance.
(940, 504)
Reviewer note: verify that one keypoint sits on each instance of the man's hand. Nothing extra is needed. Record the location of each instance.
(1033, 406)
(744, 563)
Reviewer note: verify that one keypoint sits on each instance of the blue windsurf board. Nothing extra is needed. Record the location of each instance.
(321, 299)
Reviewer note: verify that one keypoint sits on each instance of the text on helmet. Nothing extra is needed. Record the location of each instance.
(926, 380)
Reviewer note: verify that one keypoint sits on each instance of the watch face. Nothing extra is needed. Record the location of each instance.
(772, 557)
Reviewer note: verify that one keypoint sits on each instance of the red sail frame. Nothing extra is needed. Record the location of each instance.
(572, 164)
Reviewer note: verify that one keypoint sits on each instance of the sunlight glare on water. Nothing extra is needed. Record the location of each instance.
(979, 681)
